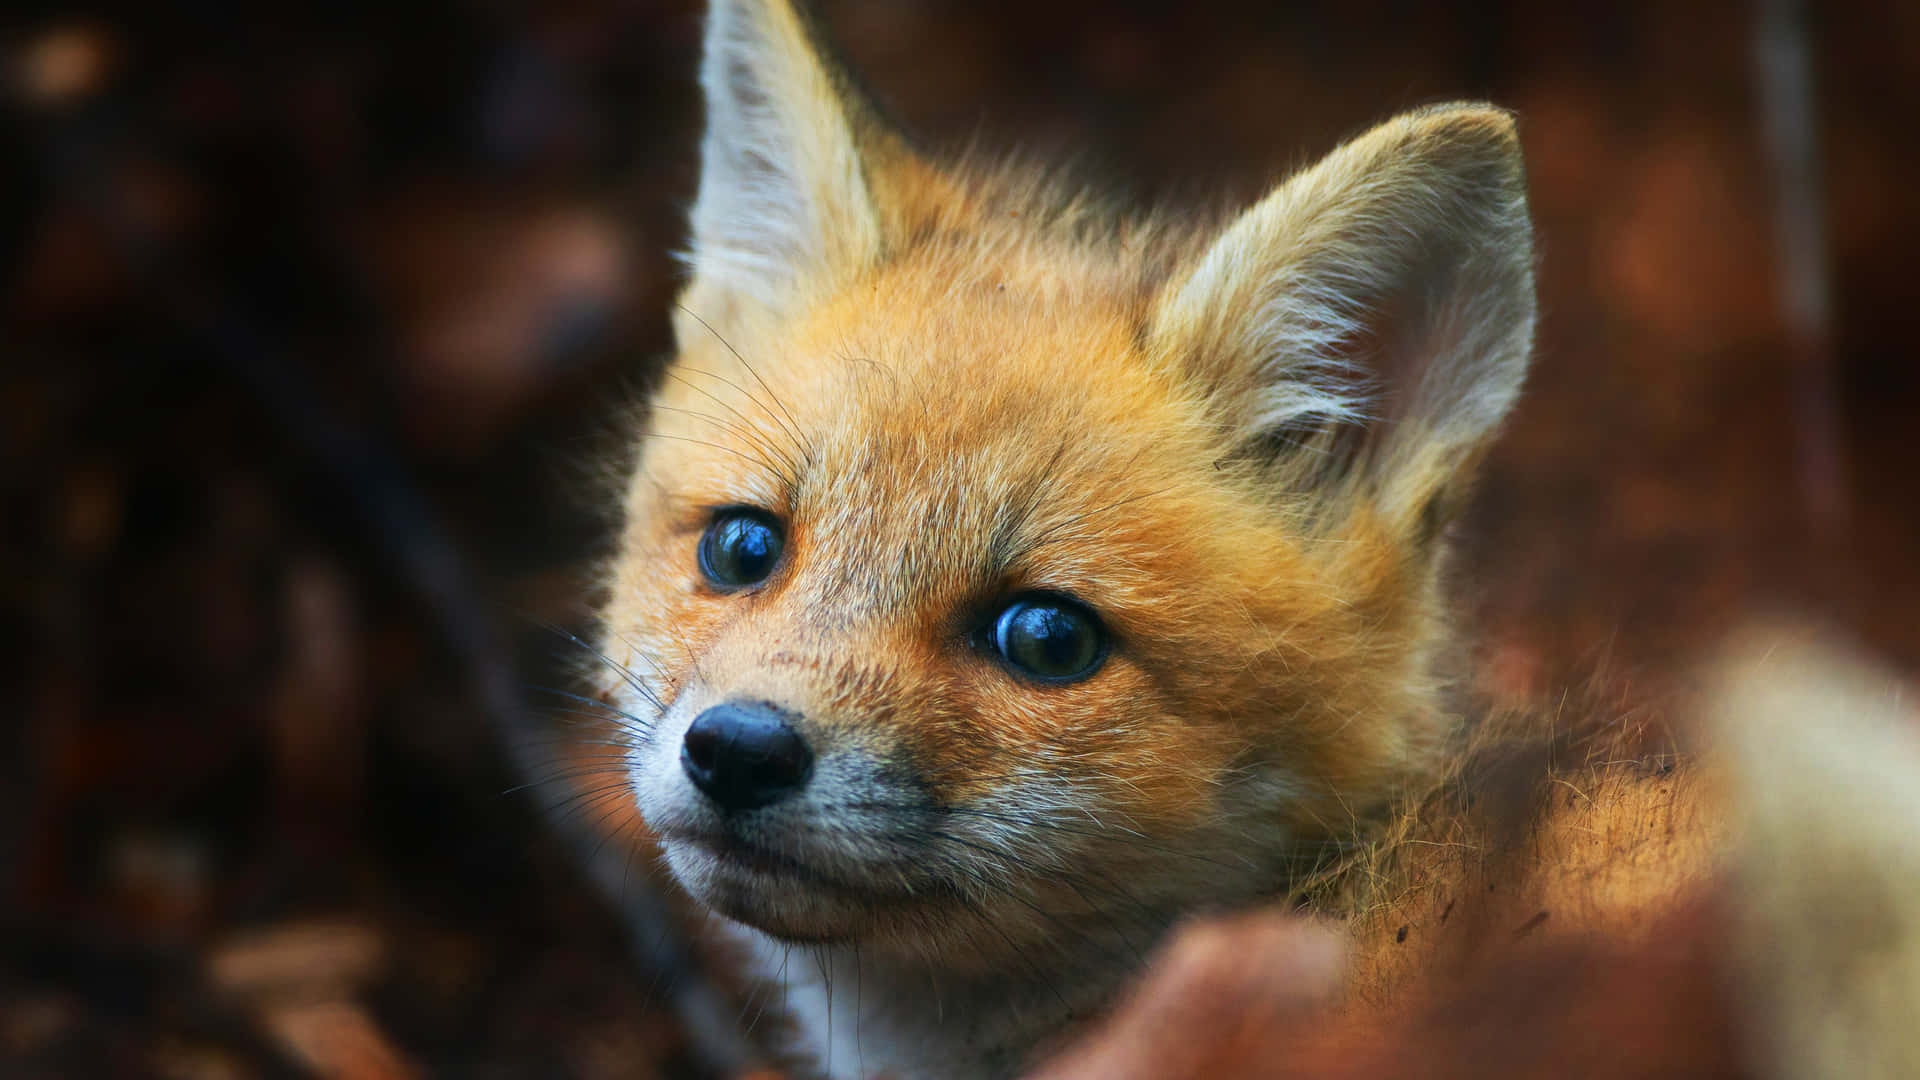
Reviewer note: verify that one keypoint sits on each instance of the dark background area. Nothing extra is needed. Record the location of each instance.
(317, 319)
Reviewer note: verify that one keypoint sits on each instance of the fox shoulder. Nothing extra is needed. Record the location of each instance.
(1749, 909)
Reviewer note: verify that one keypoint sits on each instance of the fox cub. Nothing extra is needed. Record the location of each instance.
(1005, 578)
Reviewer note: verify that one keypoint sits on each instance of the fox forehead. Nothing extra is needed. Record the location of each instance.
(940, 433)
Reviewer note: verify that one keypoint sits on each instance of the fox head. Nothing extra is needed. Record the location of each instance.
(998, 567)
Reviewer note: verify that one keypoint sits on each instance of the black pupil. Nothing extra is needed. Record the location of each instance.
(740, 549)
(1048, 638)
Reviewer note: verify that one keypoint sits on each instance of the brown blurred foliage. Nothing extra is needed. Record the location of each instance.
(317, 315)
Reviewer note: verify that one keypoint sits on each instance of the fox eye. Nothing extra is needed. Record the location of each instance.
(1049, 638)
(741, 547)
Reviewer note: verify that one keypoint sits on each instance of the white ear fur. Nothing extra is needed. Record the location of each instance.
(783, 206)
(1377, 308)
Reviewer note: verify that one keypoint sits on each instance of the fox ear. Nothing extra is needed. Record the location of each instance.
(784, 204)
(1365, 327)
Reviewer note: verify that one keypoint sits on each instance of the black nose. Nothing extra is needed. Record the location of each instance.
(745, 756)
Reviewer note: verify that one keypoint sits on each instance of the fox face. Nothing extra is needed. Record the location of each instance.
(1003, 576)
(945, 656)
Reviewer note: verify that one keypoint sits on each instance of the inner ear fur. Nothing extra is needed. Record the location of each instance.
(1364, 328)
(797, 171)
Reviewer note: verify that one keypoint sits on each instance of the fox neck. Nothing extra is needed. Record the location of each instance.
(860, 1012)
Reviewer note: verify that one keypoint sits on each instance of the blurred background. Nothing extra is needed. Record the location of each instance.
(318, 319)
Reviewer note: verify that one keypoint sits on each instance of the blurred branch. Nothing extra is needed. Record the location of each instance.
(1784, 71)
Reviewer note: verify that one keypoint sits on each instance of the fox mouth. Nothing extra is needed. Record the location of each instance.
(794, 899)
(765, 861)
